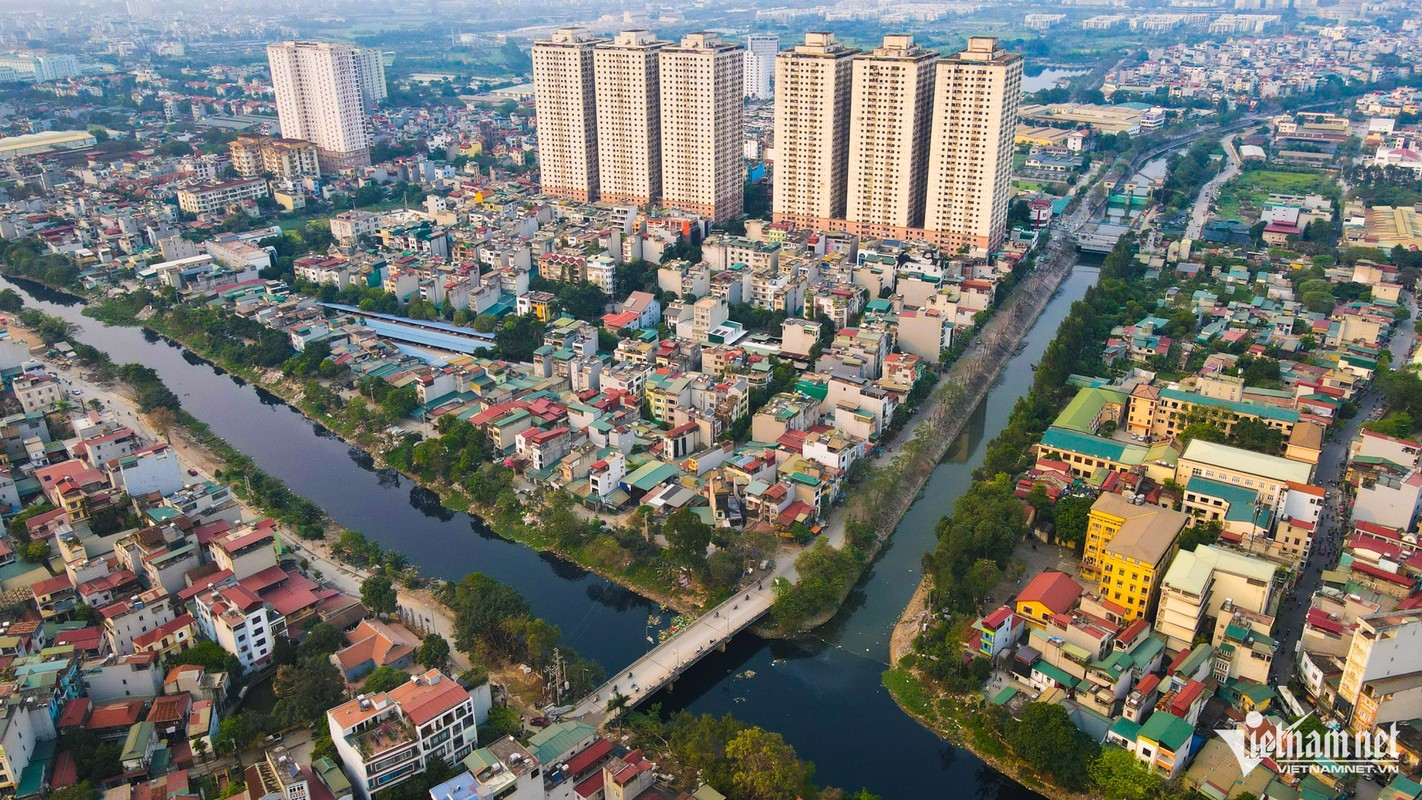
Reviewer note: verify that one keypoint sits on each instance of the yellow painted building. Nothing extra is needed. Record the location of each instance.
(1128, 548)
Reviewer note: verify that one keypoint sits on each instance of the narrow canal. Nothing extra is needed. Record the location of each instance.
(824, 694)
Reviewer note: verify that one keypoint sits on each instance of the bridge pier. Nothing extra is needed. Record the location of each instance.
(721, 647)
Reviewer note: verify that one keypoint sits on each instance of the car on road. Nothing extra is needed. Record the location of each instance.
(193, 472)
(540, 722)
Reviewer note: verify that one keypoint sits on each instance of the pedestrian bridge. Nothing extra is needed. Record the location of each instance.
(668, 660)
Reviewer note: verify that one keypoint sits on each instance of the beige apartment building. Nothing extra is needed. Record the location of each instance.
(976, 95)
(888, 137)
(285, 160)
(629, 129)
(565, 101)
(320, 99)
(703, 127)
(814, 81)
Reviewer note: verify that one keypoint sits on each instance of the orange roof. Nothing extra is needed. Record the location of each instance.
(432, 695)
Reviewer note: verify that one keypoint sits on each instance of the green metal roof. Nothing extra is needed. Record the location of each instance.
(1083, 408)
(1261, 410)
(557, 739)
(1241, 500)
(1167, 729)
(1095, 446)
(1058, 675)
(1126, 729)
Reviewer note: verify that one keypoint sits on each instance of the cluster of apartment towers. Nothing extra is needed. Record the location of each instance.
(896, 142)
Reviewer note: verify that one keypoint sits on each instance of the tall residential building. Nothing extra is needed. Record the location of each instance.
(370, 70)
(975, 100)
(703, 126)
(565, 100)
(812, 130)
(888, 137)
(760, 65)
(629, 113)
(319, 99)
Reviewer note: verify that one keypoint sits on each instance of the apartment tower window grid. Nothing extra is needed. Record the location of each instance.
(815, 82)
(703, 126)
(320, 99)
(628, 111)
(565, 101)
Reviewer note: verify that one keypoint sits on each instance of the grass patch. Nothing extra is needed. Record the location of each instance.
(908, 691)
(1244, 195)
(454, 500)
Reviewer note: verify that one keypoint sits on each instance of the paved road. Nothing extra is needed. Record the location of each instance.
(1326, 543)
(1211, 190)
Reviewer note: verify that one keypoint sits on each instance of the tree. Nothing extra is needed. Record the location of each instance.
(321, 640)
(503, 721)
(382, 679)
(304, 691)
(433, 652)
(1204, 431)
(200, 748)
(401, 402)
(763, 766)
(687, 538)
(211, 657)
(617, 707)
(35, 552)
(1119, 775)
(237, 733)
(1252, 434)
(79, 791)
(1050, 743)
(1071, 515)
(377, 593)
(10, 300)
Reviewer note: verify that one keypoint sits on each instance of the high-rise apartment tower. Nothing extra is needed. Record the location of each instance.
(814, 82)
(319, 99)
(565, 101)
(889, 126)
(976, 95)
(629, 113)
(703, 126)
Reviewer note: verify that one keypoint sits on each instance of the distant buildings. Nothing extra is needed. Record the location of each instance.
(761, 49)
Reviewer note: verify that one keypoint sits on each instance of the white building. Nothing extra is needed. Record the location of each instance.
(240, 622)
(321, 98)
(383, 739)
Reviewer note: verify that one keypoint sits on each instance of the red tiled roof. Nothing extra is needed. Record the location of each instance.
(422, 701)
(74, 713)
(593, 755)
(114, 715)
(1054, 590)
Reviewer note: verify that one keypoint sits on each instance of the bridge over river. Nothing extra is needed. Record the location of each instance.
(662, 665)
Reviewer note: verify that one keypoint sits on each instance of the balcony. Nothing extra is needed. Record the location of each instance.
(384, 737)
